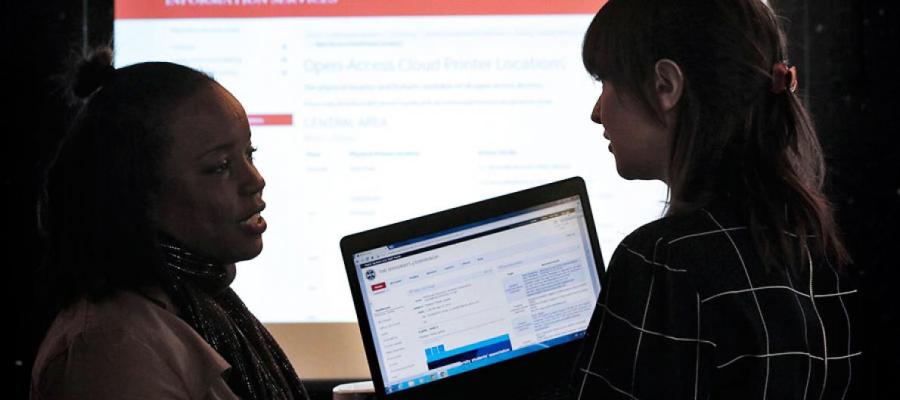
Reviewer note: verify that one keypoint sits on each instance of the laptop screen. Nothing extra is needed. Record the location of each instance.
(458, 300)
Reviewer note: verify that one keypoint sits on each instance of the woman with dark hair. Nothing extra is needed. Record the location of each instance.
(739, 291)
(149, 202)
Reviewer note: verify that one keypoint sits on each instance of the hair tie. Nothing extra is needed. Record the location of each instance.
(783, 78)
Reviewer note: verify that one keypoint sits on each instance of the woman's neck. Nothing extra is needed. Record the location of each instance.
(185, 264)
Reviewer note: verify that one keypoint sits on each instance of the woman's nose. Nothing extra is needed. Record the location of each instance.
(595, 114)
(254, 182)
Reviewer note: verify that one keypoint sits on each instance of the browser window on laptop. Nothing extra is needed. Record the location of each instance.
(458, 300)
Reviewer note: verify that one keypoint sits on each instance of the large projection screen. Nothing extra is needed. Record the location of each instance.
(369, 112)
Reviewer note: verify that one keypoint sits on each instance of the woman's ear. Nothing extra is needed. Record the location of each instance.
(668, 84)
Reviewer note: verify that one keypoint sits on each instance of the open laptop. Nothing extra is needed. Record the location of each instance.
(491, 299)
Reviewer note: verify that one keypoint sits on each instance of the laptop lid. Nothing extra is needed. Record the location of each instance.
(483, 293)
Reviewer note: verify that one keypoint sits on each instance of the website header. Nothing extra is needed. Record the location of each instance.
(178, 9)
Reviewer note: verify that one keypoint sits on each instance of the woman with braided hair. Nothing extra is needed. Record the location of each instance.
(150, 200)
(740, 291)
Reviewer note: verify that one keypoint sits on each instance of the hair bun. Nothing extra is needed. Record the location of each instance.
(93, 72)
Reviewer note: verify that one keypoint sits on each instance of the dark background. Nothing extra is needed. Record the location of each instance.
(845, 52)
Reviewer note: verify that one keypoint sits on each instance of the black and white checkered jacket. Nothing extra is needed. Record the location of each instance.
(688, 311)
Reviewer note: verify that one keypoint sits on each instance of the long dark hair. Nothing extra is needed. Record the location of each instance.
(98, 187)
(735, 139)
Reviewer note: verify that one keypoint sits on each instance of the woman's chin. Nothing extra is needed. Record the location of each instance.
(254, 251)
(631, 174)
(247, 250)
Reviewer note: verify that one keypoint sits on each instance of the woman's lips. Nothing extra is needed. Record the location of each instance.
(254, 224)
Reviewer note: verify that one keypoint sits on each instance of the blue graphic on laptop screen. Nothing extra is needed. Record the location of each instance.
(438, 357)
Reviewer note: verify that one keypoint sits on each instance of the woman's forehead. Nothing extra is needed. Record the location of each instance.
(210, 99)
(207, 120)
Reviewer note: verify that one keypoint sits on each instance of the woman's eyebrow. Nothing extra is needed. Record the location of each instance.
(223, 146)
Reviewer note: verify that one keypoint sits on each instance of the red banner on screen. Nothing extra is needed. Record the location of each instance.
(152, 9)
(271, 119)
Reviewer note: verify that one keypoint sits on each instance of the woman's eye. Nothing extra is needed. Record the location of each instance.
(250, 152)
(222, 167)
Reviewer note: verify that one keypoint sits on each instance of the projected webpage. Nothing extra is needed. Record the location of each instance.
(467, 298)
(370, 112)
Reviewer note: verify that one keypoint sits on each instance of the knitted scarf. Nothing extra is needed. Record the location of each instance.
(200, 289)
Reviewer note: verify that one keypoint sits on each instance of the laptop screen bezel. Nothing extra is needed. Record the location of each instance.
(563, 355)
